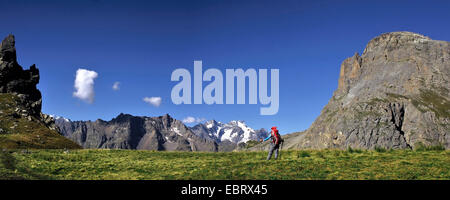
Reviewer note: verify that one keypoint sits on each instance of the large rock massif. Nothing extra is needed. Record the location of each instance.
(162, 133)
(22, 125)
(395, 95)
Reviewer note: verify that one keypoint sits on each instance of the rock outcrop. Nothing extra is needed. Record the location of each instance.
(22, 124)
(13, 79)
(395, 95)
(133, 132)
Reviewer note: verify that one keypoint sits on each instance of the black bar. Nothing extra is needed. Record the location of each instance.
(275, 189)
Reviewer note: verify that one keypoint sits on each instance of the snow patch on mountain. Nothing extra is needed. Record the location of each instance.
(56, 117)
(235, 131)
(175, 129)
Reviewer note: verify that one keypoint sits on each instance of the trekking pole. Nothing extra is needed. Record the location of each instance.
(281, 147)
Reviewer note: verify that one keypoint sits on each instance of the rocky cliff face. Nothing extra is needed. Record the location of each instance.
(132, 132)
(22, 125)
(395, 95)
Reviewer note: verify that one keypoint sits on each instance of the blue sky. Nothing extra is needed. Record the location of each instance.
(140, 43)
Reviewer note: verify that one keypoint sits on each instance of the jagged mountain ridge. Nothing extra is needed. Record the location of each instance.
(235, 131)
(157, 133)
(395, 95)
(162, 133)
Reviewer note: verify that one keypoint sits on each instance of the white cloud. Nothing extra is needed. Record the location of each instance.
(190, 119)
(155, 101)
(116, 86)
(84, 85)
(200, 120)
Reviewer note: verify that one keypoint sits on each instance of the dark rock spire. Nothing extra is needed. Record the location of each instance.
(13, 79)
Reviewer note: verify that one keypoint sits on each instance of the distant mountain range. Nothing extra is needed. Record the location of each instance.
(234, 131)
(162, 133)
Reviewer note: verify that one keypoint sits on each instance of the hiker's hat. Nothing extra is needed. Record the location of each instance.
(274, 128)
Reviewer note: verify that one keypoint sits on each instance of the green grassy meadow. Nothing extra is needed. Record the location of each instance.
(17, 132)
(308, 164)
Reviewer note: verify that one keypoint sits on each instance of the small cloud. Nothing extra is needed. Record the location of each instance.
(190, 119)
(116, 86)
(84, 85)
(200, 120)
(155, 101)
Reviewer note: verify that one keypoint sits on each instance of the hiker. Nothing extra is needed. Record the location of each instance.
(275, 144)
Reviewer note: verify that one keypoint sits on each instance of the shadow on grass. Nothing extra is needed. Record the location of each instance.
(10, 163)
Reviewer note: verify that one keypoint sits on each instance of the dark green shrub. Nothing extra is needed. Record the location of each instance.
(422, 147)
(351, 150)
(303, 154)
(380, 149)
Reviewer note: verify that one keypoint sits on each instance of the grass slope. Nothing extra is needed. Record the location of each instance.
(17, 132)
(314, 164)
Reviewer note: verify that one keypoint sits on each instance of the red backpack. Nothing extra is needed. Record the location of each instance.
(276, 137)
